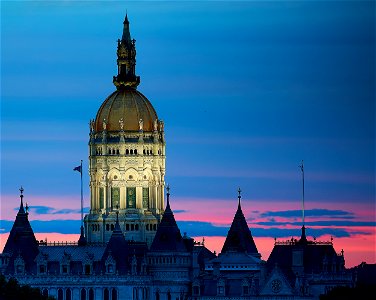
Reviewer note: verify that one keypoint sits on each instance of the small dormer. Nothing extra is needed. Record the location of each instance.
(110, 264)
(41, 261)
(65, 264)
(19, 265)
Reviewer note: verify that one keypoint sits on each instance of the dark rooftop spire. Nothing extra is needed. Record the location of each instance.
(126, 60)
(118, 248)
(21, 210)
(239, 237)
(303, 238)
(21, 239)
(168, 197)
(82, 241)
(126, 33)
(168, 236)
(239, 197)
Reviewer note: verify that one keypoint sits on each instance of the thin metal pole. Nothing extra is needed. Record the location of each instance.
(82, 201)
(302, 167)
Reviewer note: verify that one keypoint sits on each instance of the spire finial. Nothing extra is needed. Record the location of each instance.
(239, 196)
(301, 166)
(168, 196)
(21, 196)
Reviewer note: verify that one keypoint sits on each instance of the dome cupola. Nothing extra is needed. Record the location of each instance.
(126, 158)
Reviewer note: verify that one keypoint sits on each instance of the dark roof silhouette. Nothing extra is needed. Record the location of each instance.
(21, 240)
(118, 248)
(168, 237)
(315, 255)
(239, 237)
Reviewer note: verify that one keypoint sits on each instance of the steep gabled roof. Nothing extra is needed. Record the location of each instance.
(117, 246)
(239, 237)
(21, 240)
(168, 237)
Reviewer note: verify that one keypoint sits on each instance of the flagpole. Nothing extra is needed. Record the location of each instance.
(302, 167)
(82, 201)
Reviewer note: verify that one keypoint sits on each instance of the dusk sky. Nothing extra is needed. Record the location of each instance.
(247, 90)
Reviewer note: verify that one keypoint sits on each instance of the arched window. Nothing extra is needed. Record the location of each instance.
(157, 297)
(83, 294)
(114, 294)
(45, 293)
(131, 151)
(91, 294)
(112, 227)
(106, 294)
(68, 294)
(136, 227)
(135, 151)
(168, 295)
(60, 295)
(127, 152)
(107, 227)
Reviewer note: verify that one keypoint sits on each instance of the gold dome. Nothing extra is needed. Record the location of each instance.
(129, 105)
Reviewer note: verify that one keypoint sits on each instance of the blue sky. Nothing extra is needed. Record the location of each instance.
(246, 89)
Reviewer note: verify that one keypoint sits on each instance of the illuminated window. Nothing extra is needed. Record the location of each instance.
(131, 197)
(115, 197)
(145, 197)
(101, 197)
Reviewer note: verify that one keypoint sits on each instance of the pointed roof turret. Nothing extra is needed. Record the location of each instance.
(168, 236)
(126, 33)
(117, 247)
(239, 237)
(21, 239)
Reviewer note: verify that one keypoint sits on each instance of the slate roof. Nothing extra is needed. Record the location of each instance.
(314, 254)
(117, 246)
(239, 237)
(76, 253)
(168, 236)
(21, 241)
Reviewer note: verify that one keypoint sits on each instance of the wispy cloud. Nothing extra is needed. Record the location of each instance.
(46, 210)
(309, 213)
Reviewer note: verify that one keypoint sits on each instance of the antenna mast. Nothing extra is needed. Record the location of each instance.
(302, 168)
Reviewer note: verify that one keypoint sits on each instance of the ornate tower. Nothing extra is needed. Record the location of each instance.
(126, 158)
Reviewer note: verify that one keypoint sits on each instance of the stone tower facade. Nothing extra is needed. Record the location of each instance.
(126, 158)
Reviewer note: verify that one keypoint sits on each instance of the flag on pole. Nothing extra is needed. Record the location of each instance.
(78, 169)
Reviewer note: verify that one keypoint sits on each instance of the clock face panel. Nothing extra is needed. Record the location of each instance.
(276, 285)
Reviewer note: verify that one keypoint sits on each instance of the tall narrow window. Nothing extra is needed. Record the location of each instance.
(131, 197)
(68, 294)
(145, 197)
(115, 197)
(91, 294)
(106, 294)
(114, 294)
(101, 197)
(60, 295)
(83, 294)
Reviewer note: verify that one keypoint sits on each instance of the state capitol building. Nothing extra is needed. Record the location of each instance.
(130, 247)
